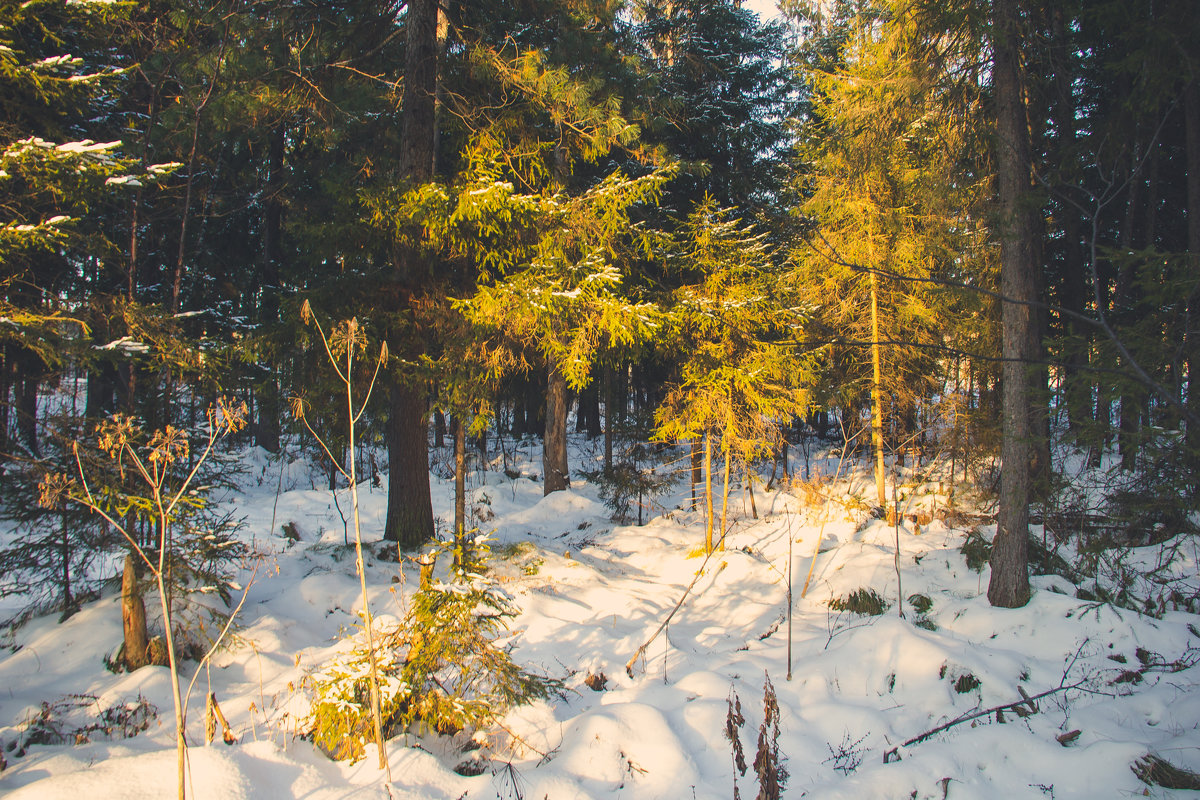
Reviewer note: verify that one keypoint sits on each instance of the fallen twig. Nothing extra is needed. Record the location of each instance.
(641, 650)
(1023, 707)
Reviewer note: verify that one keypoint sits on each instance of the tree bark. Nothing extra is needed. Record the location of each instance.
(554, 450)
(1009, 583)
(1191, 343)
(877, 393)
(696, 473)
(267, 396)
(610, 403)
(708, 493)
(460, 487)
(410, 512)
(133, 617)
(26, 391)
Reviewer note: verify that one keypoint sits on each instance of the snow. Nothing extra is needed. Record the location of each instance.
(126, 344)
(590, 593)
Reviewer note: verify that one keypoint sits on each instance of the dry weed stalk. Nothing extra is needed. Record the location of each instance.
(152, 464)
(346, 339)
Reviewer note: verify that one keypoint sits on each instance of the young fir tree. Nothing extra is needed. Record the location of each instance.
(892, 208)
(740, 380)
(568, 303)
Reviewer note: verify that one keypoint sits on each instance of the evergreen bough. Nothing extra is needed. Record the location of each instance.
(442, 671)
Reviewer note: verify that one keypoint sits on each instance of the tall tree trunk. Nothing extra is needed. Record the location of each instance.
(726, 445)
(267, 406)
(185, 215)
(439, 428)
(1192, 340)
(26, 389)
(610, 404)
(1009, 584)
(877, 393)
(64, 551)
(696, 473)
(6, 385)
(1123, 291)
(1077, 386)
(460, 487)
(708, 493)
(409, 512)
(554, 446)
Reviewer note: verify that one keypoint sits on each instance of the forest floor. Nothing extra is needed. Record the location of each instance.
(590, 592)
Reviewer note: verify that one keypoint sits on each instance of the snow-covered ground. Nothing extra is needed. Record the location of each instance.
(590, 593)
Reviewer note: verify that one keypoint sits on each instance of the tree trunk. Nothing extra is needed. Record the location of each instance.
(133, 616)
(28, 378)
(609, 419)
(554, 451)
(877, 394)
(6, 385)
(725, 487)
(409, 513)
(1009, 583)
(1129, 414)
(460, 487)
(439, 428)
(696, 474)
(410, 510)
(1191, 343)
(65, 556)
(708, 493)
(267, 396)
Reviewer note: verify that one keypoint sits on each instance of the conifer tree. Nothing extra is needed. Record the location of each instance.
(892, 206)
(567, 303)
(740, 378)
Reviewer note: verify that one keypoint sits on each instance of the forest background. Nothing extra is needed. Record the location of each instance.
(961, 228)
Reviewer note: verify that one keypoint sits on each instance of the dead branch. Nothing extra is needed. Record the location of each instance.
(641, 650)
(1023, 707)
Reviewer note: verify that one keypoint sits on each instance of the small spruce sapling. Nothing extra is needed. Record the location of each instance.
(453, 675)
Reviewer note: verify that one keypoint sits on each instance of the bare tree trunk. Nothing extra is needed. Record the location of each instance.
(133, 617)
(177, 276)
(708, 493)
(725, 488)
(460, 487)
(609, 418)
(439, 428)
(1191, 345)
(26, 391)
(1009, 583)
(877, 393)
(696, 474)
(409, 513)
(267, 396)
(64, 547)
(554, 451)
(410, 509)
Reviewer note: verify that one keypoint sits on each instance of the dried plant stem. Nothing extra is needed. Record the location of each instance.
(350, 337)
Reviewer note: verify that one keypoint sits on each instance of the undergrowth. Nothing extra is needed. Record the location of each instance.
(864, 601)
(441, 671)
